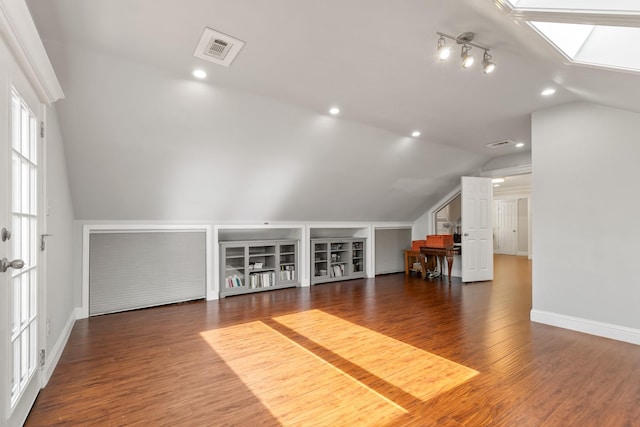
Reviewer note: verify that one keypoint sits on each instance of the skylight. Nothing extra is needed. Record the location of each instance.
(589, 32)
(593, 44)
(578, 5)
(568, 38)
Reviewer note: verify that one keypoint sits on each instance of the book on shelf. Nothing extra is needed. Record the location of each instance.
(255, 265)
(287, 272)
(337, 270)
(262, 280)
(233, 282)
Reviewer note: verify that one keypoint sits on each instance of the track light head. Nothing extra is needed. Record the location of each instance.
(443, 50)
(467, 58)
(488, 65)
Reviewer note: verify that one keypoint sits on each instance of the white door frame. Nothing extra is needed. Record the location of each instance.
(25, 65)
(520, 196)
(16, 414)
(511, 232)
(518, 170)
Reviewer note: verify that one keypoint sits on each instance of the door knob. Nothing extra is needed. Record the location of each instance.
(6, 234)
(5, 264)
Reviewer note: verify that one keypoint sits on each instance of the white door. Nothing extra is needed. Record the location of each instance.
(19, 217)
(506, 227)
(477, 230)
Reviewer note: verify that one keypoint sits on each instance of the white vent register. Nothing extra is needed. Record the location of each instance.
(218, 47)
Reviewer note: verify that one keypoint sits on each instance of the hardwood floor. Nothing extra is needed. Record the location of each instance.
(393, 350)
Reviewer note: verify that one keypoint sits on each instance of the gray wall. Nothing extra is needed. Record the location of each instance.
(585, 159)
(390, 246)
(60, 292)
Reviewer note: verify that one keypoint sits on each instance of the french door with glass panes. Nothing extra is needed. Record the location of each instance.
(21, 266)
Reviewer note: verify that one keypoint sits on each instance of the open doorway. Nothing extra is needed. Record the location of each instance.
(512, 215)
(445, 216)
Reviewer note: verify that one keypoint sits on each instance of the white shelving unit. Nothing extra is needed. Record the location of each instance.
(335, 259)
(256, 266)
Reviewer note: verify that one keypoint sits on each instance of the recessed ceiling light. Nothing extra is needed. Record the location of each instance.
(199, 74)
(496, 185)
(415, 133)
(334, 110)
(548, 92)
(497, 180)
(520, 145)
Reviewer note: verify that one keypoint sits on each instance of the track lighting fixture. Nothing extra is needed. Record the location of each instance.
(443, 50)
(465, 39)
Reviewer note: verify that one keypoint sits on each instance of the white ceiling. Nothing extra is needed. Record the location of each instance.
(144, 140)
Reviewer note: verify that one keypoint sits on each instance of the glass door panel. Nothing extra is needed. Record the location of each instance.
(24, 219)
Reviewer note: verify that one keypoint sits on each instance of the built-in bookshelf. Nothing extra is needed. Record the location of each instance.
(255, 266)
(337, 259)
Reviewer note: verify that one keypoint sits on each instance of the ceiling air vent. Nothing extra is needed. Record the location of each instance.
(497, 144)
(217, 47)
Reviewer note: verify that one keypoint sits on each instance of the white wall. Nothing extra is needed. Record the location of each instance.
(585, 252)
(390, 246)
(60, 292)
(423, 226)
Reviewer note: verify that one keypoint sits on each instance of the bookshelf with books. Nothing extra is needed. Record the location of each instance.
(255, 266)
(287, 257)
(357, 257)
(337, 259)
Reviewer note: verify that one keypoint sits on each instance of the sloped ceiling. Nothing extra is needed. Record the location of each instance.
(144, 140)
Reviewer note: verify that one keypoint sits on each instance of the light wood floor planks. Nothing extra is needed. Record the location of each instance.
(389, 351)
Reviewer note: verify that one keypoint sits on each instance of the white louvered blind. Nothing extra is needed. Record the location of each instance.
(145, 269)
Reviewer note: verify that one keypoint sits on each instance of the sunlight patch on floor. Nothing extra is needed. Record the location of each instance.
(295, 385)
(299, 387)
(415, 371)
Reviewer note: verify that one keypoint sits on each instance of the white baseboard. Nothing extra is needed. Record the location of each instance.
(592, 327)
(392, 271)
(518, 253)
(54, 356)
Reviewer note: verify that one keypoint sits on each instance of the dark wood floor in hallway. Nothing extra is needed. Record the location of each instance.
(393, 350)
